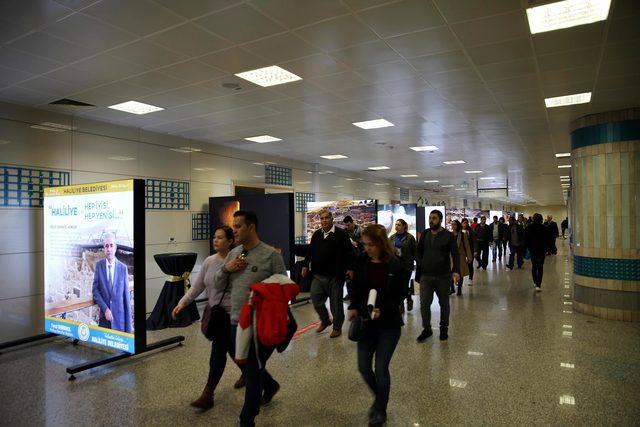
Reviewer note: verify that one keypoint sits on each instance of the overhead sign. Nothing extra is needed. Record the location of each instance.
(492, 193)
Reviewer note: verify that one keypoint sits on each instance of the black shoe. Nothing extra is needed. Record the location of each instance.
(377, 419)
(510, 267)
(410, 304)
(444, 334)
(267, 396)
(426, 333)
(459, 293)
(452, 291)
(346, 298)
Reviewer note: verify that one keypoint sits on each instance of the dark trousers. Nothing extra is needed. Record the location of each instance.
(504, 247)
(552, 246)
(218, 359)
(563, 231)
(470, 270)
(513, 251)
(497, 248)
(537, 267)
(381, 344)
(483, 254)
(406, 278)
(440, 285)
(257, 380)
(323, 287)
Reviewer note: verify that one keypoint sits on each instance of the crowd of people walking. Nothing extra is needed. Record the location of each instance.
(379, 274)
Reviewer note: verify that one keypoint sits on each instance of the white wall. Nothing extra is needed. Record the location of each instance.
(84, 152)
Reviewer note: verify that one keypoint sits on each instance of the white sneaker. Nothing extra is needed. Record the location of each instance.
(538, 289)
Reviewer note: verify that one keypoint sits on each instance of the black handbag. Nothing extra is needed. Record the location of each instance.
(216, 322)
(359, 329)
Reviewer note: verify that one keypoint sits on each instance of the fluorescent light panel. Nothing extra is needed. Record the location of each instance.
(431, 181)
(409, 176)
(185, 150)
(121, 158)
(454, 162)
(269, 76)
(473, 172)
(263, 139)
(378, 168)
(447, 186)
(424, 148)
(373, 124)
(487, 177)
(566, 14)
(561, 101)
(562, 155)
(563, 166)
(135, 107)
(564, 176)
(334, 157)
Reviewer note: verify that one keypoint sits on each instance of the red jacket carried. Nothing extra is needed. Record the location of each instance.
(267, 310)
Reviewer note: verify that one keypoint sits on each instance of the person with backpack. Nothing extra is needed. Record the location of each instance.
(222, 243)
(252, 261)
(379, 273)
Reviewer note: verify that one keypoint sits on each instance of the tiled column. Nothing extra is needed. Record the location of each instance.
(605, 201)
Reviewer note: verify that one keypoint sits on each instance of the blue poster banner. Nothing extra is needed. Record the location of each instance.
(90, 333)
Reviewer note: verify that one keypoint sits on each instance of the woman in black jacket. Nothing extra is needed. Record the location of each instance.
(378, 268)
(535, 242)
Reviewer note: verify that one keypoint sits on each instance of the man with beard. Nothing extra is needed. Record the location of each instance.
(438, 262)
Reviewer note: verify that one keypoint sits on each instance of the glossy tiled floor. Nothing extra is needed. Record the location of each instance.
(513, 357)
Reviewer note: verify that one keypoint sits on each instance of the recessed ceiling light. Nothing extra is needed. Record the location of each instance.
(487, 177)
(304, 182)
(564, 176)
(186, 150)
(454, 162)
(334, 157)
(561, 101)
(136, 107)
(258, 164)
(337, 186)
(566, 14)
(381, 183)
(565, 179)
(431, 181)
(121, 158)
(561, 155)
(563, 166)
(269, 76)
(473, 172)
(425, 148)
(459, 189)
(373, 124)
(378, 168)
(204, 169)
(447, 186)
(409, 176)
(258, 176)
(263, 139)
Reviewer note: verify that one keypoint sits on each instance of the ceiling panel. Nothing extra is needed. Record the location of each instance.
(194, 8)
(426, 42)
(139, 17)
(86, 31)
(402, 17)
(53, 48)
(234, 60)
(281, 47)
(300, 12)
(337, 33)
(366, 54)
(189, 40)
(465, 10)
(240, 24)
(492, 29)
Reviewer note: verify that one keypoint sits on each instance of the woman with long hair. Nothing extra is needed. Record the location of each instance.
(222, 242)
(466, 255)
(404, 246)
(377, 269)
(466, 229)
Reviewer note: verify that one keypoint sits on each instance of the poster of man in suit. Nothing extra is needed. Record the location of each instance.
(88, 260)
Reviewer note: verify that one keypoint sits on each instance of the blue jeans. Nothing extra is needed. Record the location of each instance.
(257, 380)
(497, 248)
(381, 343)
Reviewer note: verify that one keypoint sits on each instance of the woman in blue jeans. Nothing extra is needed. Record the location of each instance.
(378, 268)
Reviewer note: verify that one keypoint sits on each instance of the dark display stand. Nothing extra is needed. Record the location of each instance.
(173, 265)
(139, 293)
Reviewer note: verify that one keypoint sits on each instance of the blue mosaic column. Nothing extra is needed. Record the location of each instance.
(605, 201)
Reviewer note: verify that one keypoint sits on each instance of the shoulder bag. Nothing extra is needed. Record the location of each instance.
(216, 322)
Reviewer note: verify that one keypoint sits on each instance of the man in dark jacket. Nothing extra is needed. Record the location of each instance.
(330, 259)
(437, 249)
(515, 236)
(483, 239)
(564, 225)
(497, 236)
(535, 242)
(552, 235)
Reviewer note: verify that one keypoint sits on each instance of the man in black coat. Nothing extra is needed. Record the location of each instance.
(330, 260)
(552, 235)
(483, 239)
(515, 236)
(535, 242)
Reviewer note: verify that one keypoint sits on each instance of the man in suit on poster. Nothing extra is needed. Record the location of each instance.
(111, 289)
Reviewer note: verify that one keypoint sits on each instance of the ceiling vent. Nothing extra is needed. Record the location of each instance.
(233, 86)
(71, 105)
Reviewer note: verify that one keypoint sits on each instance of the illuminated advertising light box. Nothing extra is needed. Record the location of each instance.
(389, 214)
(363, 212)
(93, 260)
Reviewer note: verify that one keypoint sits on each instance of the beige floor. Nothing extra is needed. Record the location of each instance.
(513, 357)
